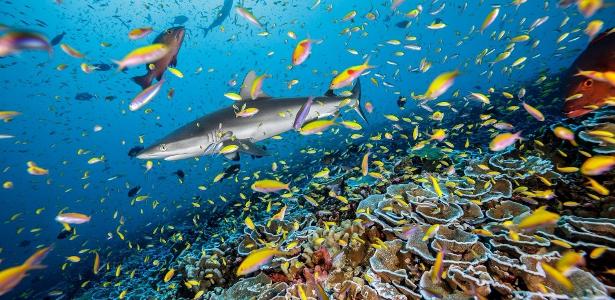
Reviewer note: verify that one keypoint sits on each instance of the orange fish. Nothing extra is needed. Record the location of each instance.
(599, 56)
(11, 277)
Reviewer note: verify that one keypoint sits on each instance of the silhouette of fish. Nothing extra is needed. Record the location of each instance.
(57, 39)
(179, 20)
(221, 16)
(180, 175)
(134, 191)
(84, 96)
(598, 56)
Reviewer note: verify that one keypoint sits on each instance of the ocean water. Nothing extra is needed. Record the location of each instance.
(56, 129)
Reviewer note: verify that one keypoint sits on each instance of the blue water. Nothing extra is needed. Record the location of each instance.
(54, 125)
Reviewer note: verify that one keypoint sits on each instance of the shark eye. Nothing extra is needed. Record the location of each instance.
(163, 147)
(588, 82)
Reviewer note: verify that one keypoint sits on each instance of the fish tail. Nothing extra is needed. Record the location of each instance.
(356, 94)
(144, 81)
(34, 261)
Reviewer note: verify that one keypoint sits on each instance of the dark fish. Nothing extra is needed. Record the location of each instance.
(65, 233)
(134, 151)
(179, 20)
(180, 175)
(598, 56)
(134, 191)
(401, 101)
(221, 16)
(403, 24)
(102, 67)
(231, 171)
(84, 96)
(57, 39)
(172, 38)
(25, 243)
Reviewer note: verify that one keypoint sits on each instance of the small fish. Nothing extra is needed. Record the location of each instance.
(534, 112)
(598, 165)
(440, 85)
(34, 169)
(565, 134)
(556, 275)
(13, 42)
(256, 259)
(438, 266)
(145, 96)
(365, 164)
(504, 140)
(436, 186)
(269, 186)
(134, 191)
(538, 217)
(246, 14)
(143, 55)
(11, 277)
(57, 39)
(247, 112)
(71, 51)
(96, 265)
(138, 33)
(316, 127)
(73, 218)
(431, 232)
(8, 115)
(302, 51)
(346, 77)
(490, 18)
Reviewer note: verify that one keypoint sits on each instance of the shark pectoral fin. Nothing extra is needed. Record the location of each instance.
(251, 148)
(179, 156)
(247, 85)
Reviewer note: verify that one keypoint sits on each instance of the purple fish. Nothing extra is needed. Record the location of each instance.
(145, 96)
(304, 111)
(16, 41)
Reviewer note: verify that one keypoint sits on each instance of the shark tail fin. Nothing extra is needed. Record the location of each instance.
(144, 81)
(356, 94)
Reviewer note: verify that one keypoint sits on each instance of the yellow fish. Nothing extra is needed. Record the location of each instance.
(256, 259)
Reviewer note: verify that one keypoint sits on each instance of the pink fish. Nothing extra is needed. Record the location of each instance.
(504, 140)
(145, 96)
(73, 218)
(534, 112)
(302, 51)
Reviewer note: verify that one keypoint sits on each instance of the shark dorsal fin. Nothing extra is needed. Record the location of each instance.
(246, 85)
(248, 81)
(330, 93)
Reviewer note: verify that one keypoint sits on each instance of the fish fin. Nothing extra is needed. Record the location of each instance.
(144, 81)
(232, 156)
(246, 85)
(34, 261)
(179, 156)
(356, 94)
(330, 93)
(251, 148)
(173, 62)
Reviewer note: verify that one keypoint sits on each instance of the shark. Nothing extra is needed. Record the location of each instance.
(224, 12)
(209, 134)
